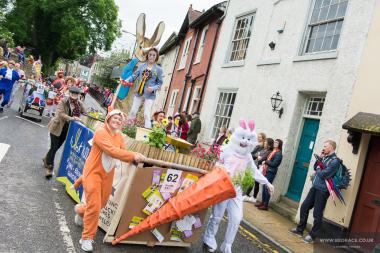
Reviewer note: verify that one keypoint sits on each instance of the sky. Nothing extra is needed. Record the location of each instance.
(172, 12)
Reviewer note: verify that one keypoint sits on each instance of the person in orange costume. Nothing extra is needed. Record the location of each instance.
(108, 147)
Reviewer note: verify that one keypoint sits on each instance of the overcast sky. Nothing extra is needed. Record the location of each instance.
(172, 12)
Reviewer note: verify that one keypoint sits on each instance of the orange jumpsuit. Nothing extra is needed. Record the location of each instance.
(98, 175)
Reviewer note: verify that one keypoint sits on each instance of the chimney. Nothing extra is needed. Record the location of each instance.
(191, 7)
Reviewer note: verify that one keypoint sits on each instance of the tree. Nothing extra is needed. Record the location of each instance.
(106, 66)
(5, 34)
(63, 28)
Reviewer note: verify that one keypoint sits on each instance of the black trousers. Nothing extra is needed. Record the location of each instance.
(317, 199)
(256, 189)
(55, 143)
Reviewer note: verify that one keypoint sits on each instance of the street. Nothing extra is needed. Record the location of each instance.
(37, 215)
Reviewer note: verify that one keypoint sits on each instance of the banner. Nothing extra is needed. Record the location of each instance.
(76, 150)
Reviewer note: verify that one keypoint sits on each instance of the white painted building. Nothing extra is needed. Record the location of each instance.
(168, 56)
(314, 63)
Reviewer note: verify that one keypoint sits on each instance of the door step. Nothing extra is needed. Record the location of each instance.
(286, 207)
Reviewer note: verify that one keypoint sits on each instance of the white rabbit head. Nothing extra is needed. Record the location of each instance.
(143, 44)
(244, 138)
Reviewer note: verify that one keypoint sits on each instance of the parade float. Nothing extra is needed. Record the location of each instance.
(162, 201)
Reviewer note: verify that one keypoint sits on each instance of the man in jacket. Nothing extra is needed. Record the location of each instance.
(195, 128)
(318, 194)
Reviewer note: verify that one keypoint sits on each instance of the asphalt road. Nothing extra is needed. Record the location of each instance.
(36, 215)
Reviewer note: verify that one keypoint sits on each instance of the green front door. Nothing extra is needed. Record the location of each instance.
(303, 157)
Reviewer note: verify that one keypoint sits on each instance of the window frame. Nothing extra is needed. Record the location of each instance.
(227, 60)
(193, 98)
(202, 43)
(212, 134)
(173, 100)
(185, 53)
(308, 29)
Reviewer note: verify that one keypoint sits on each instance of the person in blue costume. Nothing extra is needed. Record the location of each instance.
(148, 77)
(8, 76)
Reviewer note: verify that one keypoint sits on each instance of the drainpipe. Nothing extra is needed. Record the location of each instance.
(191, 91)
(171, 79)
(219, 22)
(188, 75)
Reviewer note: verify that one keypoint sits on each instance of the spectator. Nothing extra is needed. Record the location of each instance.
(189, 118)
(270, 167)
(170, 125)
(8, 76)
(195, 128)
(183, 128)
(318, 193)
(175, 129)
(222, 136)
(259, 154)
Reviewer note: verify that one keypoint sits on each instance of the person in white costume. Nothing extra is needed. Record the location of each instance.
(235, 158)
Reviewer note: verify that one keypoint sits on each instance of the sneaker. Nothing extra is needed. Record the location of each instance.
(245, 198)
(87, 245)
(208, 248)
(263, 207)
(308, 239)
(294, 231)
(49, 172)
(251, 199)
(1, 109)
(78, 220)
(258, 204)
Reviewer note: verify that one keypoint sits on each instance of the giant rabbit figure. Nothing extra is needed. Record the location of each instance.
(235, 158)
(146, 76)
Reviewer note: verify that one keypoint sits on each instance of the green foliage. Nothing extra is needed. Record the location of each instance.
(244, 179)
(157, 137)
(107, 64)
(63, 28)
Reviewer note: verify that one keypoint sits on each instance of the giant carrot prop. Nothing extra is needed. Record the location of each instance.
(209, 190)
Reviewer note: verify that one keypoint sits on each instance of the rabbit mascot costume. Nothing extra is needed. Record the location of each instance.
(235, 158)
(148, 77)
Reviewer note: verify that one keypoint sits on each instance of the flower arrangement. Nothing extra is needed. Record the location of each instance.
(157, 137)
(212, 154)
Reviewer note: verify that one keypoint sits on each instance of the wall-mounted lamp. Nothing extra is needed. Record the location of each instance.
(276, 101)
(272, 45)
(281, 30)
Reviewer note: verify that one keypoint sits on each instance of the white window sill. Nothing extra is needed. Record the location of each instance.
(233, 64)
(268, 62)
(315, 57)
(180, 68)
(195, 63)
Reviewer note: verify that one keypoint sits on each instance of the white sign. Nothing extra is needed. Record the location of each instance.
(171, 181)
(311, 145)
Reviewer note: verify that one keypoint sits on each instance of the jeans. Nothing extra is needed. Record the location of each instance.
(266, 196)
(317, 199)
(55, 143)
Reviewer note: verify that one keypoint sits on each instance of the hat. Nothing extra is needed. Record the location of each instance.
(70, 78)
(75, 90)
(114, 112)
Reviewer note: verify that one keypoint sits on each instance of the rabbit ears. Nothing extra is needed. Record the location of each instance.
(250, 124)
(140, 32)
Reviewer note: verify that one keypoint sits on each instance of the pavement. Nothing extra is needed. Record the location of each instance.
(36, 214)
(275, 228)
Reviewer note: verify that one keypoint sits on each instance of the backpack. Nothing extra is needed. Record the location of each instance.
(342, 177)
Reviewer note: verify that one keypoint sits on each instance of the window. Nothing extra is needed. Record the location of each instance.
(201, 45)
(325, 25)
(314, 106)
(223, 111)
(240, 39)
(185, 52)
(187, 97)
(195, 100)
(173, 98)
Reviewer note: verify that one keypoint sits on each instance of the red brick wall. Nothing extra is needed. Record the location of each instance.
(198, 70)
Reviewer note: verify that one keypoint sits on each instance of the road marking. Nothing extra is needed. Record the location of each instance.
(3, 150)
(65, 231)
(4, 117)
(30, 121)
